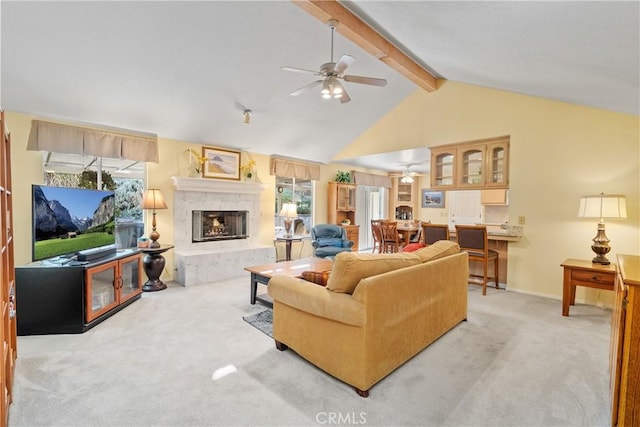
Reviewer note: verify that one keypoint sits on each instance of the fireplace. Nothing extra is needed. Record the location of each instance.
(218, 225)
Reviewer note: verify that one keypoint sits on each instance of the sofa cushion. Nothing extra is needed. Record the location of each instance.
(317, 277)
(413, 247)
(350, 267)
(439, 249)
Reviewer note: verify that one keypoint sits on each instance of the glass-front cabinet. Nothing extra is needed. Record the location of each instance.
(471, 164)
(497, 163)
(346, 197)
(443, 167)
(112, 283)
(478, 164)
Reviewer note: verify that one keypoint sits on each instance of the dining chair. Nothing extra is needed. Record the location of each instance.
(376, 232)
(434, 232)
(473, 240)
(390, 237)
(416, 237)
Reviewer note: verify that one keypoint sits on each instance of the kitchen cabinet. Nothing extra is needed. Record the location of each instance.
(58, 298)
(471, 165)
(494, 196)
(443, 167)
(471, 162)
(497, 164)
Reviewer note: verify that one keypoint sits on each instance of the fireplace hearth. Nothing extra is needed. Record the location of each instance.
(211, 226)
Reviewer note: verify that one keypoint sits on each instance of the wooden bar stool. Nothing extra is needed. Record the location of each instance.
(473, 240)
(434, 232)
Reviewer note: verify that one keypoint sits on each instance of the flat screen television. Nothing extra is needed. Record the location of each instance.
(69, 220)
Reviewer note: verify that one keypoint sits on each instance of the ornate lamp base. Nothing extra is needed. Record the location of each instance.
(601, 246)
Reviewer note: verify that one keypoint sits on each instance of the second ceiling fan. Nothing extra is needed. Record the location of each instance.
(331, 73)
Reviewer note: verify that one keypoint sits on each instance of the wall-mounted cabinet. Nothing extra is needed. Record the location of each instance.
(494, 196)
(479, 164)
(443, 167)
(497, 164)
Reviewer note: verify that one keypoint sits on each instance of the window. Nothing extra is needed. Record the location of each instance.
(299, 192)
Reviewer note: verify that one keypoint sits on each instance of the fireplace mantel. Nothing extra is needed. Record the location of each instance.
(215, 260)
(216, 186)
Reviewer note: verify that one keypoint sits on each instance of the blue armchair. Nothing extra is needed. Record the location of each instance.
(329, 240)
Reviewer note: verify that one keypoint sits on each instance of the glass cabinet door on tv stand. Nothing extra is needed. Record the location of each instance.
(111, 284)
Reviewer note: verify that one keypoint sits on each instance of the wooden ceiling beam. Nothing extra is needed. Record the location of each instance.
(357, 31)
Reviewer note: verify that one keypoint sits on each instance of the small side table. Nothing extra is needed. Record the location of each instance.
(580, 272)
(153, 263)
(288, 242)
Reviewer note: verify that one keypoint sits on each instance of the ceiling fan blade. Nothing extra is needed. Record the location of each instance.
(299, 70)
(343, 63)
(345, 96)
(304, 88)
(365, 80)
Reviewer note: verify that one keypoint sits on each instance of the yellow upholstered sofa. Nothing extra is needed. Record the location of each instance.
(375, 313)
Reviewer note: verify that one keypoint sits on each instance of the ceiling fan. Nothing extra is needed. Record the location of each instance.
(406, 176)
(331, 73)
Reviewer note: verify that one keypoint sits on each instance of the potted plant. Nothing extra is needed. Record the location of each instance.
(343, 176)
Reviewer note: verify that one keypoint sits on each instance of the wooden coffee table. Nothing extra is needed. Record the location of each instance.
(262, 273)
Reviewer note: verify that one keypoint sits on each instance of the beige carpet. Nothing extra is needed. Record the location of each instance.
(185, 357)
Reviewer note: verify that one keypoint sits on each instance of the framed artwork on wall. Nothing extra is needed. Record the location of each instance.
(221, 163)
(432, 199)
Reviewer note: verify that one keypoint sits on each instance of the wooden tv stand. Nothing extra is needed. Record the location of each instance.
(70, 298)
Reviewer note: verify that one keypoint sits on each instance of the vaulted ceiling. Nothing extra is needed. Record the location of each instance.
(187, 70)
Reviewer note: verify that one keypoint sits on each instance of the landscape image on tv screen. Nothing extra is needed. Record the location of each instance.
(68, 220)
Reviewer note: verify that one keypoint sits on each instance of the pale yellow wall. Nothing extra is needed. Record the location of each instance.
(559, 152)
(27, 170)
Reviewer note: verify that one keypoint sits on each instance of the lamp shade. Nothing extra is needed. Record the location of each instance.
(289, 210)
(153, 199)
(612, 206)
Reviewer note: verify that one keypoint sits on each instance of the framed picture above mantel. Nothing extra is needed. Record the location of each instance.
(221, 163)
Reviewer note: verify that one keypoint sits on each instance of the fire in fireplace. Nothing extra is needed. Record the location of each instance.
(218, 225)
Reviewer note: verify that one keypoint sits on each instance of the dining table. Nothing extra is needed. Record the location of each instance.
(406, 230)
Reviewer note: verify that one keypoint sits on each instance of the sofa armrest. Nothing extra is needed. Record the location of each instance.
(318, 300)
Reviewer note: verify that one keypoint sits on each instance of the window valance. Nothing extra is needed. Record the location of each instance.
(61, 138)
(362, 178)
(292, 168)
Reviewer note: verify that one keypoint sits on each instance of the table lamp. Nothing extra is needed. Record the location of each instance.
(153, 199)
(611, 206)
(288, 212)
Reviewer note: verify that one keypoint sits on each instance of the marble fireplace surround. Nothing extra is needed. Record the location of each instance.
(207, 262)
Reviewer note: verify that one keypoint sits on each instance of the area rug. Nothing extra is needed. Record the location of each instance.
(263, 321)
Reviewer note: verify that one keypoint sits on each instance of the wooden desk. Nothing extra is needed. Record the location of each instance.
(580, 272)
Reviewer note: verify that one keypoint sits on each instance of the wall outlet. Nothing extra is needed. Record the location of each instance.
(521, 220)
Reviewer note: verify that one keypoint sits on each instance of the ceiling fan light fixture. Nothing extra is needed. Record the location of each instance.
(406, 179)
